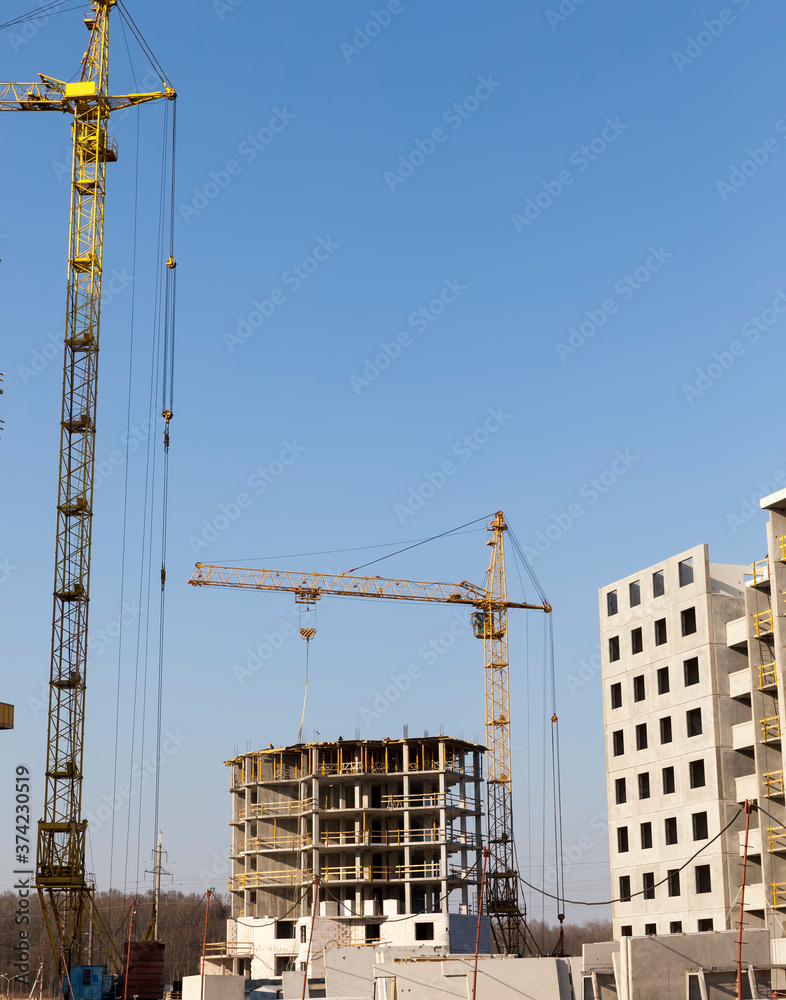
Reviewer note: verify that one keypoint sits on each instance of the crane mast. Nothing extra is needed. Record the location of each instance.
(490, 623)
(65, 887)
(503, 901)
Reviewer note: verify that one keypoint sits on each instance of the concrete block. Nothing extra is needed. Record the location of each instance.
(215, 988)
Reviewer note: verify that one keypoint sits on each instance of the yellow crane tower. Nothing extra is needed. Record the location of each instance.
(65, 887)
(490, 623)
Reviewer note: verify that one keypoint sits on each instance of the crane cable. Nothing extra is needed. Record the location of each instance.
(308, 634)
(168, 381)
(556, 782)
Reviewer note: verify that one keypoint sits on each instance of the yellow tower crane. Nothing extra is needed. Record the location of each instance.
(490, 623)
(65, 888)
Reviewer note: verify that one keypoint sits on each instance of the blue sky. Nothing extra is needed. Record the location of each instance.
(559, 222)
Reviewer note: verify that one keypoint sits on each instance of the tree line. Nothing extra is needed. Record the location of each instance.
(181, 926)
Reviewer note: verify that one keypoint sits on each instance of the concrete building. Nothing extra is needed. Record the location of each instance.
(6, 716)
(393, 830)
(693, 655)
(672, 768)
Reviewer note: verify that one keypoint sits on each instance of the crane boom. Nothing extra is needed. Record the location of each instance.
(490, 623)
(310, 587)
(65, 887)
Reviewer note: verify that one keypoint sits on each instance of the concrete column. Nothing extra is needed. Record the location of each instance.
(407, 827)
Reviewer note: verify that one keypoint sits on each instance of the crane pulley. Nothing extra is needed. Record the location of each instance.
(489, 623)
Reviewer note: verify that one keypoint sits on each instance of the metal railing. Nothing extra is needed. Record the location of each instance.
(380, 873)
(778, 894)
(763, 623)
(428, 800)
(777, 835)
(396, 838)
(229, 949)
(288, 807)
(774, 782)
(768, 676)
(281, 842)
(759, 577)
(771, 729)
(282, 876)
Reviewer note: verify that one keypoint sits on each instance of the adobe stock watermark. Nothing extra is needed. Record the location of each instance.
(256, 658)
(588, 669)
(698, 44)
(755, 159)
(143, 770)
(574, 853)
(454, 116)
(564, 10)
(100, 639)
(294, 276)
(429, 653)
(131, 440)
(722, 361)
(249, 149)
(366, 33)
(27, 31)
(624, 290)
(590, 491)
(7, 570)
(257, 482)
(582, 159)
(749, 507)
(464, 449)
(420, 321)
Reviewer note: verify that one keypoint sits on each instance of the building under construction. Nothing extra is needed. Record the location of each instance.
(392, 828)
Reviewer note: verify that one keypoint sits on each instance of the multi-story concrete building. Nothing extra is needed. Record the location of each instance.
(671, 763)
(393, 830)
(693, 657)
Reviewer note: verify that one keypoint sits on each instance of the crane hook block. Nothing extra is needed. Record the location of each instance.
(171, 263)
(167, 415)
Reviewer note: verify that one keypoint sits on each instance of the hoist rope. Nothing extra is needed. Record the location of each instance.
(131, 338)
(416, 544)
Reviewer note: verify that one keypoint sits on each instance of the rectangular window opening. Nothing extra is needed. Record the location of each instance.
(691, 668)
(611, 602)
(660, 631)
(638, 688)
(621, 791)
(641, 736)
(648, 885)
(673, 875)
(706, 924)
(697, 779)
(686, 571)
(616, 695)
(671, 829)
(675, 927)
(658, 588)
(703, 878)
(688, 620)
(636, 641)
(618, 743)
(622, 839)
(614, 648)
(646, 836)
(644, 785)
(665, 729)
(700, 828)
(625, 888)
(663, 680)
(634, 592)
(668, 780)
(693, 721)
